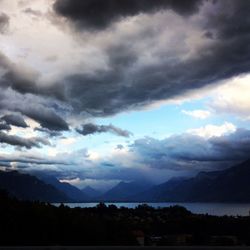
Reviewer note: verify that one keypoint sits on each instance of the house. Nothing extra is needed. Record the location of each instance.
(140, 237)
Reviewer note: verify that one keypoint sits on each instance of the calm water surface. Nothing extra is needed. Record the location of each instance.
(198, 208)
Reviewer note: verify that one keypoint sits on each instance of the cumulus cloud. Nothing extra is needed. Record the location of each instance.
(193, 152)
(90, 128)
(15, 119)
(98, 14)
(177, 155)
(233, 97)
(146, 158)
(210, 130)
(199, 113)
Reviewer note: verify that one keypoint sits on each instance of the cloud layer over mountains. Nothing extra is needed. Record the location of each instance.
(94, 59)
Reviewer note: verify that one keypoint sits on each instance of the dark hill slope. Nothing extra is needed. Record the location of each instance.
(28, 187)
(230, 185)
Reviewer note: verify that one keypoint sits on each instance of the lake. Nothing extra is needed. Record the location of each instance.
(198, 208)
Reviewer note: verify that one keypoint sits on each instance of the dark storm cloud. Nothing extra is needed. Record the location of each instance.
(89, 128)
(40, 109)
(25, 80)
(14, 119)
(17, 79)
(233, 20)
(99, 14)
(4, 125)
(128, 85)
(50, 133)
(4, 22)
(22, 142)
(110, 92)
(193, 152)
(46, 117)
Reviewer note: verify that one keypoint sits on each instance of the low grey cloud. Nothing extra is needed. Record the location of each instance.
(22, 142)
(119, 146)
(4, 22)
(44, 111)
(14, 119)
(98, 14)
(90, 128)
(51, 133)
(15, 83)
(194, 153)
(31, 160)
(46, 117)
(33, 12)
(5, 165)
(152, 159)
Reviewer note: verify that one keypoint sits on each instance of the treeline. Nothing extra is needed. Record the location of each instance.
(37, 223)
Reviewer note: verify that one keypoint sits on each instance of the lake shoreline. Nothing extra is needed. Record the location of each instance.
(217, 209)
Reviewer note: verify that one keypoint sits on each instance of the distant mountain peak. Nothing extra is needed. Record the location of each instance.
(88, 188)
(228, 185)
(123, 190)
(91, 192)
(71, 191)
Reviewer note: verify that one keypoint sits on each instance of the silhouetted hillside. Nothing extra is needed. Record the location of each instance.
(71, 191)
(27, 187)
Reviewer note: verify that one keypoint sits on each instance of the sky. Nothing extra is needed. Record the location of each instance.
(96, 92)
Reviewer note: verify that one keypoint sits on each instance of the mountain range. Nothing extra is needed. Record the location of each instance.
(28, 187)
(91, 192)
(71, 191)
(229, 185)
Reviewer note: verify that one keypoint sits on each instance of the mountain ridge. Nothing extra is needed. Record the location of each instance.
(228, 185)
(91, 192)
(71, 191)
(123, 190)
(29, 187)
